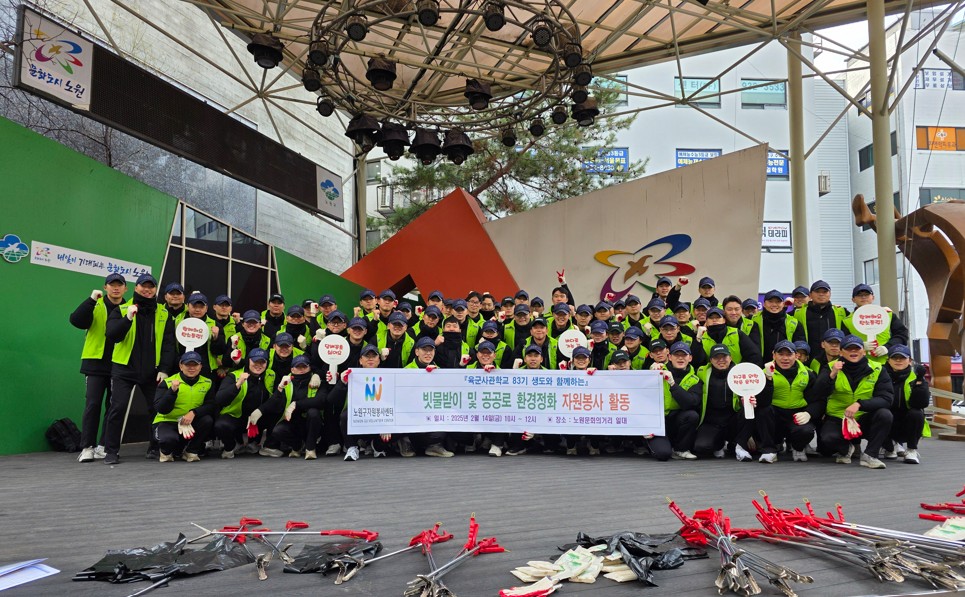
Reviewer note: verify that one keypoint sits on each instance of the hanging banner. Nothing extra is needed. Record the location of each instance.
(55, 61)
(512, 400)
(83, 262)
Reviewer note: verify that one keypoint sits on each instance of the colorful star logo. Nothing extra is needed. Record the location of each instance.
(633, 268)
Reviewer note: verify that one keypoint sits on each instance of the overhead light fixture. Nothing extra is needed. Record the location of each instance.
(536, 127)
(542, 34)
(702, 2)
(381, 73)
(311, 80)
(425, 146)
(583, 75)
(457, 146)
(356, 27)
(394, 139)
(266, 50)
(318, 52)
(508, 137)
(428, 11)
(478, 94)
(494, 14)
(364, 130)
(585, 113)
(579, 94)
(559, 115)
(572, 55)
(325, 107)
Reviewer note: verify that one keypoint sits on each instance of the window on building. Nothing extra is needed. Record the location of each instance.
(871, 271)
(866, 158)
(894, 142)
(373, 171)
(939, 195)
(759, 94)
(708, 97)
(940, 138)
(203, 260)
(617, 84)
(778, 166)
(939, 78)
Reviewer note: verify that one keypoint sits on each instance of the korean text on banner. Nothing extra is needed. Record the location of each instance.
(83, 262)
(538, 401)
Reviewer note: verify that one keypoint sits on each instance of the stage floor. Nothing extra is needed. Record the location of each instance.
(71, 513)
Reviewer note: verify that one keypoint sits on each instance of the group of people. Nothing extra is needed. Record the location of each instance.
(259, 386)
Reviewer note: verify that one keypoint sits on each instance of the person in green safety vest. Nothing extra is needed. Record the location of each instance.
(600, 347)
(238, 396)
(857, 392)
(425, 353)
(468, 328)
(516, 332)
(473, 307)
(227, 321)
(379, 318)
(335, 324)
(326, 306)
(896, 334)
(395, 344)
(819, 315)
(487, 306)
(749, 308)
(656, 310)
(249, 337)
(721, 411)
(659, 356)
(830, 350)
(912, 397)
(634, 313)
(186, 406)
(583, 317)
(504, 356)
(516, 444)
(561, 320)
(683, 314)
(174, 302)
(273, 318)
(95, 361)
(296, 407)
(215, 346)
(428, 326)
(802, 350)
(299, 326)
(734, 315)
(774, 324)
(682, 390)
(280, 357)
(368, 359)
(549, 349)
(742, 348)
(367, 307)
(619, 310)
(799, 297)
(669, 292)
(452, 352)
(581, 361)
(669, 332)
(701, 306)
(633, 346)
(706, 288)
(787, 409)
(614, 340)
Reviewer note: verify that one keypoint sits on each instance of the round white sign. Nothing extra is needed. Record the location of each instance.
(192, 332)
(333, 349)
(569, 340)
(746, 379)
(870, 320)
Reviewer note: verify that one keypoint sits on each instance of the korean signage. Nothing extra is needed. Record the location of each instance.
(776, 235)
(762, 92)
(927, 196)
(692, 84)
(686, 157)
(937, 138)
(513, 400)
(607, 162)
(938, 78)
(83, 262)
(55, 61)
(778, 165)
(328, 192)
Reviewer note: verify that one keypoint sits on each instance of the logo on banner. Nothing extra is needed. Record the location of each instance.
(65, 54)
(640, 268)
(329, 189)
(373, 389)
(13, 248)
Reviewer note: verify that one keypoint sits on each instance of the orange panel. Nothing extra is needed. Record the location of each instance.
(445, 249)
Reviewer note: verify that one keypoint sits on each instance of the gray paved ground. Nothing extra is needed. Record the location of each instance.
(71, 513)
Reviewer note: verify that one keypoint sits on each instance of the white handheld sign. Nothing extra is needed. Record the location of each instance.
(870, 320)
(746, 380)
(192, 332)
(569, 340)
(333, 350)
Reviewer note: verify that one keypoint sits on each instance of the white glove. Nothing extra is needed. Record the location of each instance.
(528, 436)
(263, 322)
(175, 386)
(619, 317)
(161, 376)
(656, 367)
(96, 294)
(788, 302)
(241, 380)
(586, 330)
(591, 343)
(683, 280)
(880, 351)
(769, 369)
(357, 312)
(464, 360)
(254, 416)
(131, 312)
(328, 376)
(488, 368)
(319, 334)
(648, 328)
(517, 363)
(501, 317)
(385, 353)
(564, 365)
(871, 346)
(667, 377)
(301, 342)
(701, 330)
(289, 410)
(802, 418)
(235, 340)
(285, 381)
(236, 355)
(185, 431)
(419, 309)
(430, 368)
(591, 370)
(315, 381)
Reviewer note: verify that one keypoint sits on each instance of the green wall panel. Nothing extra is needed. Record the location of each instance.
(302, 280)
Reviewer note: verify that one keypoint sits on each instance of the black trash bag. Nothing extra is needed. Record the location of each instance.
(641, 543)
(322, 557)
(220, 554)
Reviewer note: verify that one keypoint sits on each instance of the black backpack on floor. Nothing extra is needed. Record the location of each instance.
(64, 436)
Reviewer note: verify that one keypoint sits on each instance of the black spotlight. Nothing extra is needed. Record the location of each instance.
(356, 27)
(364, 130)
(425, 146)
(572, 55)
(478, 94)
(381, 73)
(542, 34)
(394, 140)
(585, 113)
(325, 107)
(428, 11)
(266, 50)
(457, 146)
(559, 115)
(494, 15)
(318, 52)
(536, 127)
(310, 79)
(579, 94)
(583, 75)
(508, 137)
(702, 2)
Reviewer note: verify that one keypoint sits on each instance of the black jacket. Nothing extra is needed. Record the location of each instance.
(883, 394)
(141, 367)
(920, 396)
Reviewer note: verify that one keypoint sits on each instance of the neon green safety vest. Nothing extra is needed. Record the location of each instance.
(882, 338)
(509, 334)
(801, 315)
(271, 356)
(263, 344)
(790, 326)
(124, 348)
(189, 398)
(843, 396)
(688, 381)
(94, 339)
(817, 365)
(212, 358)
(408, 343)
(746, 325)
(234, 408)
(551, 344)
(731, 341)
(790, 395)
(926, 430)
(704, 374)
(473, 330)
(500, 349)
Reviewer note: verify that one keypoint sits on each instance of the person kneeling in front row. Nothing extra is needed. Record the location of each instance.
(185, 405)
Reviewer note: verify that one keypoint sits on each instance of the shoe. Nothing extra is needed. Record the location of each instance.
(378, 453)
(405, 448)
(719, 453)
(438, 450)
(911, 456)
(151, 454)
(900, 450)
(311, 454)
(799, 455)
(470, 448)
(495, 450)
(768, 458)
(811, 451)
(351, 454)
(165, 457)
(871, 461)
(892, 455)
(571, 451)
(86, 455)
(518, 452)
(594, 451)
(112, 459)
(751, 444)
(273, 452)
(215, 444)
(295, 454)
(227, 454)
(99, 453)
(190, 457)
(252, 448)
(333, 450)
(685, 455)
(485, 443)
(742, 454)
(845, 458)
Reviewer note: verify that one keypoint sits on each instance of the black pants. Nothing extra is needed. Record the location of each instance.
(719, 427)
(593, 441)
(875, 428)
(98, 392)
(300, 430)
(122, 392)
(775, 425)
(681, 427)
(169, 441)
(332, 414)
(229, 430)
(907, 427)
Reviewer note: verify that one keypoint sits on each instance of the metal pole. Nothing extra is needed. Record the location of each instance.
(795, 113)
(361, 209)
(948, 60)
(881, 148)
